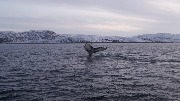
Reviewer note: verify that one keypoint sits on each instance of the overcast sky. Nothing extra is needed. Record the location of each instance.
(97, 17)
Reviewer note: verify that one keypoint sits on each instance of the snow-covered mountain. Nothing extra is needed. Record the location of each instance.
(160, 37)
(46, 36)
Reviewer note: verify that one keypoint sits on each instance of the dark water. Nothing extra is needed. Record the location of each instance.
(58, 72)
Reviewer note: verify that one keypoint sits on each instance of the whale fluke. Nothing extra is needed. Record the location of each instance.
(92, 50)
(99, 49)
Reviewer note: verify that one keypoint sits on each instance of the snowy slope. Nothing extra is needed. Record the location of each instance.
(46, 36)
(160, 37)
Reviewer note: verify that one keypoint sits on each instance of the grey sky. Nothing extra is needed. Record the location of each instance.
(98, 17)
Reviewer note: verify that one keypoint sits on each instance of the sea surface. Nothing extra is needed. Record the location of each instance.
(64, 72)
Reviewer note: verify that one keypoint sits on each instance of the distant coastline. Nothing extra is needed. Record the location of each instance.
(89, 42)
(50, 37)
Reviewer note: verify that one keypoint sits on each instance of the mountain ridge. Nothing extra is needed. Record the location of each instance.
(47, 36)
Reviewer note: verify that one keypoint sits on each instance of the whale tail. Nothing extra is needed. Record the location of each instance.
(92, 50)
(99, 49)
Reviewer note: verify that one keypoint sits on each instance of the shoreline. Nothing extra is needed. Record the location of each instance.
(88, 42)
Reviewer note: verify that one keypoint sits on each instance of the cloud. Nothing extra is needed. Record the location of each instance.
(91, 16)
(107, 21)
(74, 17)
(114, 27)
(169, 6)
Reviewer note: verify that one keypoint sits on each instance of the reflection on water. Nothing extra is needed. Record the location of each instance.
(131, 71)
